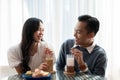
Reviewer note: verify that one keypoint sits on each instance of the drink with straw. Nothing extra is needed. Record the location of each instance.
(49, 61)
(70, 63)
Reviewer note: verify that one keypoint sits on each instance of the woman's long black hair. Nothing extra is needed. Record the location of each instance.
(30, 26)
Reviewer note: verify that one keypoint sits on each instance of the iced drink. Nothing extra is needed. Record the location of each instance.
(49, 60)
(70, 63)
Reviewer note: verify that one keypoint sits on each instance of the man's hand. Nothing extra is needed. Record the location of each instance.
(78, 55)
(79, 58)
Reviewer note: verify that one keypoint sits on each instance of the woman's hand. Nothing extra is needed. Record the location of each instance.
(43, 66)
(49, 51)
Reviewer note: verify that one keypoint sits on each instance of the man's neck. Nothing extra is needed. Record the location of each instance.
(87, 44)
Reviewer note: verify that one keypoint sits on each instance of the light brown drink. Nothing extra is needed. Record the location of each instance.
(50, 63)
(70, 69)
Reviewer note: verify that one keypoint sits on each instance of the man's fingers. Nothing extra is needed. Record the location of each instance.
(74, 50)
(77, 54)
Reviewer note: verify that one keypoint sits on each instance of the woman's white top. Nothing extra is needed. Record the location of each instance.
(15, 56)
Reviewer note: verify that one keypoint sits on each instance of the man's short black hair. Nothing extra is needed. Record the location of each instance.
(92, 23)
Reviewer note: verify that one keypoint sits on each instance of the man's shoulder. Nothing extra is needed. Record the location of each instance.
(99, 49)
(70, 41)
(100, 52)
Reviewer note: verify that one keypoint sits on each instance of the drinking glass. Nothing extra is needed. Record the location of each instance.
(70, 63)
(49, 61)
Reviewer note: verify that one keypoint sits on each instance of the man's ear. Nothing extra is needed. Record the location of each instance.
(91, 35)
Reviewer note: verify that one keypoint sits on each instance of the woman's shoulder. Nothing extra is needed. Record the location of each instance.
(14, 49)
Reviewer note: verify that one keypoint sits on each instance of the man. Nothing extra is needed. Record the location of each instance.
(89, 57)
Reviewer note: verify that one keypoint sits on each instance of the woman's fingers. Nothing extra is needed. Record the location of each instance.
(43, 66)
(49, 51)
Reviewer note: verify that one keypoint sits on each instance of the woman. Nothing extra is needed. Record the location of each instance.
(32, 50)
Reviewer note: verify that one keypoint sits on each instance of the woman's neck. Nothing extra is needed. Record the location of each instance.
(33, 48)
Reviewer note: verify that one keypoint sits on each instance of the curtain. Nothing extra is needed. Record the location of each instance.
(59, 17)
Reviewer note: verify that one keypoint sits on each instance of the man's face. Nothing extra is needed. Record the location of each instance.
(80, 33)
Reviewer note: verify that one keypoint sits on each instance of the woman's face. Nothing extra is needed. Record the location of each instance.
(38, 35)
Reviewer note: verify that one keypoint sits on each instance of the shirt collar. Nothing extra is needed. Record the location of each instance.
(90, 48)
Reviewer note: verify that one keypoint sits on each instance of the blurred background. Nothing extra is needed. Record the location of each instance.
(60, 17)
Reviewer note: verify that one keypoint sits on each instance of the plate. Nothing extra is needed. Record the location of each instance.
(52, 72)
(28, 77)
(68, 73)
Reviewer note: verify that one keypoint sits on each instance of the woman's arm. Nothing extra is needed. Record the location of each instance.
(19, 69)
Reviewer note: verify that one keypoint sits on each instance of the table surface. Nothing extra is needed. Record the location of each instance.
(61, 76)
(79, 76)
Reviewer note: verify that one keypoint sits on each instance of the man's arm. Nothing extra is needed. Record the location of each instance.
(61, 60)
(100, 65)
